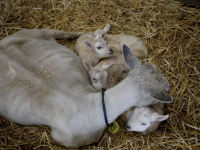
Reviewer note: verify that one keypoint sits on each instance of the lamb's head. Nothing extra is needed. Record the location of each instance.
(148, 88)
(99, 46)
(103, 32)
(142, 118)
(98, 75)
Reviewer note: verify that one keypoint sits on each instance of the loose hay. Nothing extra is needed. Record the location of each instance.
(172, 34)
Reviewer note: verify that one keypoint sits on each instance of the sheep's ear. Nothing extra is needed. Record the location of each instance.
(150, 66)
(105, 67)
(88, 44)
(161, 96)
(87, 66)
(129, 58)
(158, 117)
(165, 86)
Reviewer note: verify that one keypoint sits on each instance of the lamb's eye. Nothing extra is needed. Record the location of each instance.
(94, 79)
(99, 47)
(143, 124)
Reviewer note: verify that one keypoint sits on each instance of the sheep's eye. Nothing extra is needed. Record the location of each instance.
(99, 47)
(143, 124)
(94, 79)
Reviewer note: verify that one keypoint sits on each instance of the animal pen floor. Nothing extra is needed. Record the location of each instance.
(172, 33)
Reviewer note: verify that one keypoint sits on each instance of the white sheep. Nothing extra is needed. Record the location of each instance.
(147, 119)
(97, 75)
(50, 86)
(117, 70)
(92, 48)
(137, 46)
(152, 69)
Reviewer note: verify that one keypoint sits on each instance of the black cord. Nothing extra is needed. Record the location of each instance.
(104, 109)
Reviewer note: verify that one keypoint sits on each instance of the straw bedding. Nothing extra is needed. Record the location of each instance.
(172, 34)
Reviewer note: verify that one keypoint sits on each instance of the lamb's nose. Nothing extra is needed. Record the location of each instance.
(127, 126)
(111, 50)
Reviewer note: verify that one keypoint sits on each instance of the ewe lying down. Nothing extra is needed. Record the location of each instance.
(65, 101)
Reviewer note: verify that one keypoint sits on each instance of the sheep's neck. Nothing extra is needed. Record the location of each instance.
(117, 102)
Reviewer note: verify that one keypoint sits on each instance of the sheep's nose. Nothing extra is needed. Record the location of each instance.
(111, 50)
(127, 126)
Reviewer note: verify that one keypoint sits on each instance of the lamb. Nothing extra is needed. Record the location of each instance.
(59, 94)
(97, 75)
(115, 71)
(137, 46)
(93, 48)
(147, 119)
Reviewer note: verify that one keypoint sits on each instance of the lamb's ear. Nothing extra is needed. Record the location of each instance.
(97, 37)
(103, 35)
(88, 44)
(105, 67)
(87, 66)
(158, 117)
(161, 96)
(106, 29)
(129, 58)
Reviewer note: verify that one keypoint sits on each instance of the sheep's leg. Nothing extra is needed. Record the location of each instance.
(46, 34)
(56, 34)
(61, 137)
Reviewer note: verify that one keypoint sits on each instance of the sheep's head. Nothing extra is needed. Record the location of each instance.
(149, 89)
(99, 46)
(98, 75)
(152, 69)
(142, 118)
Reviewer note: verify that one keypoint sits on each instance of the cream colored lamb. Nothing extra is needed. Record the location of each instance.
(97, 75)
(145, 119)
(137, 46)
(93, 48)
(119, 69)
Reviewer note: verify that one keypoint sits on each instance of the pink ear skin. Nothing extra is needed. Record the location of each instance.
(88, 44)
(158, 117)
(87, 66)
